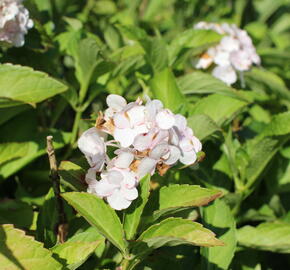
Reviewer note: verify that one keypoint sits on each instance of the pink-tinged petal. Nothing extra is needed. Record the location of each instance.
(188, 158)
(180, 122)
(226, 74)
(147, 165)
(91, 143)
(174, 155)
(186, 145)
(229, 44)
(103, 188)
(159, 151)
(116, 102)
(123, 160)
(222, 58)
(136, 115)
(143, 141)
(117, 201)
(125, 136)
(121, 121)
(114, 177)
(196, 144)
(90, 176)
(130, 179)
(173, 136)
(162, 136)
(241, 60)
(165, 119)
(140, 129)
(152, 108)
(129, 194)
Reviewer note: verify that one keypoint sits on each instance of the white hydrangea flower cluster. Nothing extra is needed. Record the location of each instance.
(147, 137)
(14, 22)
(235, 52)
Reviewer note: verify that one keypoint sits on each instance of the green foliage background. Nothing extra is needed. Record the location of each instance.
(81, 51)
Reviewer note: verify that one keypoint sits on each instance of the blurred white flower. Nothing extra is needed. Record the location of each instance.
(14, 22)
(148, 138)
(235, 52)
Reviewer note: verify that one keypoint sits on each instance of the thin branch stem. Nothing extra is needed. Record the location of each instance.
(54, 176)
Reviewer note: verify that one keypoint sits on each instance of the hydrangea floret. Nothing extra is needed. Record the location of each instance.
(14, 22)
(235, 53)
(147, 138)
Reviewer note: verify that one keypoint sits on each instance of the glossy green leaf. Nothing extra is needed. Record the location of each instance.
(270, 236)
(203, 83)
(181, 196)
(134, 212)
(24, 85)
(202, 125)
(19, 251)
(219, 107)
(74, 253)
(164, 88)
(219, 218)
(177, 231)
(98, 214)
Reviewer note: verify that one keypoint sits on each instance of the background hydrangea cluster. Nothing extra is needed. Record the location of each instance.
(147, 137)
(14, 22)
(235, 53)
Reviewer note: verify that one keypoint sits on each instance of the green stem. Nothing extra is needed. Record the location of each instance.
(125, 264)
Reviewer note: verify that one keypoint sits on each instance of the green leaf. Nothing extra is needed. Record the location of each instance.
(202, 83)
(181, 196)
(134, 212)
(261, 151)
(19, 251)
(156, 53)
(99, 215)
(218, 107)
(164, 88)
(271, 82)
(24, 85)
(220, 220)
(8, 113)
(202, 125)
(177, 231)
(74, 252)
(85, 56)
(15, 212)
(192, 39)
(270, 236)
(18, 155)
(279, 125)
(72, 176)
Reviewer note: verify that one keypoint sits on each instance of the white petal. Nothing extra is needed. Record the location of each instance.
(129, 194)
(162, 136)
(136, 115)
(121, 121)
(197, 144)
(188, 158)
(159, 150)
(229, 44)
(114, 177)
(165, 119)
(180, 122)
(226, 74)
(116, 102)
(117, 201)
(174, 155)
(143, 141)
(241, 60)
(140, 129)
(90, 175)
(152, 108)
(124, 159)
(125, 136)
(186, 145)
(222, 58)
(103, 188)
(129, 179)
(147, 165)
